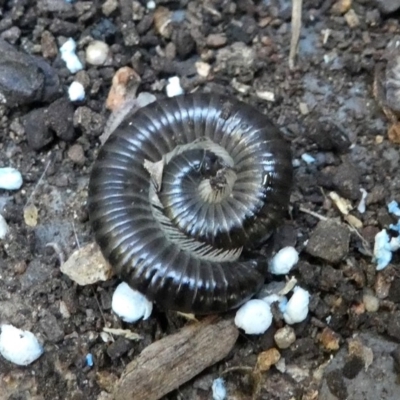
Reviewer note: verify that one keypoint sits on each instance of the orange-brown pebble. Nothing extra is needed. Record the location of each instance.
(329, 339)
(124, 82)
(267, 359)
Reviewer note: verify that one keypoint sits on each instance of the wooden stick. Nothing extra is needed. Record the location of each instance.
(170, 362)
(296, 28)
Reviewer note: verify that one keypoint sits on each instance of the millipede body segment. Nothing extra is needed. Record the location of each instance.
(183, 193)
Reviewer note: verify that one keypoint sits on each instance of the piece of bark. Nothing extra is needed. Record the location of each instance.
(170, 362)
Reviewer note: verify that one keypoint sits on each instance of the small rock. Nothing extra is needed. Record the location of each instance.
(90, 122)
(51, 328)
(124, 83)
(183, 41)
(267, 359)
(174, 87)
(97, 52)
(109, 6)
(87, 265)
(119, 348)
(328, 137)
(216, 40)
(76, 154)
(162, 21)
(329, 241)
(25, 79)
(352, 19)
(70, 58)
(285, 337)
(371, 302)
(37, 132)
(341, 7)
(236, 60)
(347, 181)
(329, 339)
(130, 34)
(60, 119)
(54, 6)
(11, 35)
(49, 45)
(388, 6)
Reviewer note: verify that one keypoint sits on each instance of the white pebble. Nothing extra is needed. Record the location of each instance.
(297, 307)
(129, 304)
(3, 227)
(19, 347)
(284, 260)
(394, 208)
(254, 317)
(382, 250)
(76, 91)
(361, 206)
(307, 158)
(151, 5)
(219, 389)
(70, 58)
(174, 87)
(97, 52)
(10, 179)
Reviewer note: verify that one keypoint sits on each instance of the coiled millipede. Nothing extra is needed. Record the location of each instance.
(183, 193)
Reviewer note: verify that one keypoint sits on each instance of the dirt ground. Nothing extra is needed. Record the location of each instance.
(325, 106)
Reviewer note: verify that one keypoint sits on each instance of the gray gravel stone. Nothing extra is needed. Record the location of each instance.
(51, 328)
(347, 181)
(60, 115)
(329, 241)
(25, 79)
(37, 132)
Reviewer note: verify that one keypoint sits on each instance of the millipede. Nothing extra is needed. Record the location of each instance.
(183, 194)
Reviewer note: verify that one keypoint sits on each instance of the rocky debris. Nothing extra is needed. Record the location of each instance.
(328, 137)
(77, 154)
(346, 181)
(329, 241)
(51, 328)
(88, 121)
(37, 132)
(25, 79)
(41, 124)
(357, 376)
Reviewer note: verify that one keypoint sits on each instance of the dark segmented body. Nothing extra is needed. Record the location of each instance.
(165, 250)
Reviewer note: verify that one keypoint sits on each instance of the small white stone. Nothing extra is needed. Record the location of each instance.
(284, 260)
(10, 178)
(72, 61)
(297, 307)
(3, 227)
(371, 302)
(174, 87)
(361, 206)
(254, 317)
(285, 337)
(97, 52)
(151, 5)
(130, 305)
(76, 91)
(18, 346)
(219, 389)
(307, 158)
